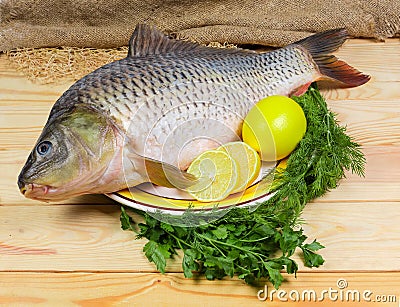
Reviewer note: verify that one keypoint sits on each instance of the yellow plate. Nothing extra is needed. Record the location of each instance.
(151, 198)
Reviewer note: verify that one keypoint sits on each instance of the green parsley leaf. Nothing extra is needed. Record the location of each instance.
(314, 246)
(221, 232)
(275, 275)
(156, 253)
(189, 263)
(167, 227)
(312, 259)
(126, 220)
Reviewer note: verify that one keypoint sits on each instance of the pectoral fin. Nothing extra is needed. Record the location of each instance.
(167, 175)
(161, 173)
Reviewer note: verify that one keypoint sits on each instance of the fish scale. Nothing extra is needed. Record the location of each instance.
(147, 116)
(223, 74)
(145, 89)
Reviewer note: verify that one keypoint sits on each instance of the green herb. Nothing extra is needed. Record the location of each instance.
(256, 243)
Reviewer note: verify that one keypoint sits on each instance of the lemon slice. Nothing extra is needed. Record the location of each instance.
(248, 162)
(220, 169)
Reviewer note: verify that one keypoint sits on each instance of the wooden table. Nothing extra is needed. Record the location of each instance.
(74, 252)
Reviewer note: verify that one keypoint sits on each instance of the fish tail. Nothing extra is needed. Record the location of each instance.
(330, 67)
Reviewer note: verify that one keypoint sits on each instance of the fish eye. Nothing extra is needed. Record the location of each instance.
(44, 148)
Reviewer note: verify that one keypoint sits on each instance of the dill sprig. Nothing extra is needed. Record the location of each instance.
(255, 243)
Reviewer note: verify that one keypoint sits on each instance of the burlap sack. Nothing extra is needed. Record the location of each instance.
(109, 23)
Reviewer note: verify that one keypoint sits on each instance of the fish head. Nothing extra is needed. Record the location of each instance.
(71, 157)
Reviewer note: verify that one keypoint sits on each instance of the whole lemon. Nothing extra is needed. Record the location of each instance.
(274, 127)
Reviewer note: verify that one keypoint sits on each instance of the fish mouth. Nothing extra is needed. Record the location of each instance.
(36, 191)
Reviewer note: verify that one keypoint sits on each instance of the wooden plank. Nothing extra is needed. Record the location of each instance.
(374, 58)
(371, 56)
(370, 123)
(371, 113)
(381, 181)
(89, 238)
(11, 81)
(357, 236)
(68, 238)
(78, 255)
(127, 289)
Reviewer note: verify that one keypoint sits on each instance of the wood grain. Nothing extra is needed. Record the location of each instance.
(89, 238)
(370, 112)
(127, 289)
(74, 252)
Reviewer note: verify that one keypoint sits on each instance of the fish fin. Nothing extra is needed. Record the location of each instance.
(320, 45)
(164, 174)
(158, 172)
(167, 175)
(300, 90)
(148, 40)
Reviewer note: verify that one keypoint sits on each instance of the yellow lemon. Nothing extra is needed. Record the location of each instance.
(248, 162)
(220, 170)
(274, 127)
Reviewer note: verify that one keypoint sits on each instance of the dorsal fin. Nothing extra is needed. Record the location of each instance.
(148, 40)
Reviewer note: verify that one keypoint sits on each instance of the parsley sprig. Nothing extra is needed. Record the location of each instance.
(256, 243)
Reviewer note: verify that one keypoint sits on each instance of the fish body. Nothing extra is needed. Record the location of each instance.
(147, 116)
